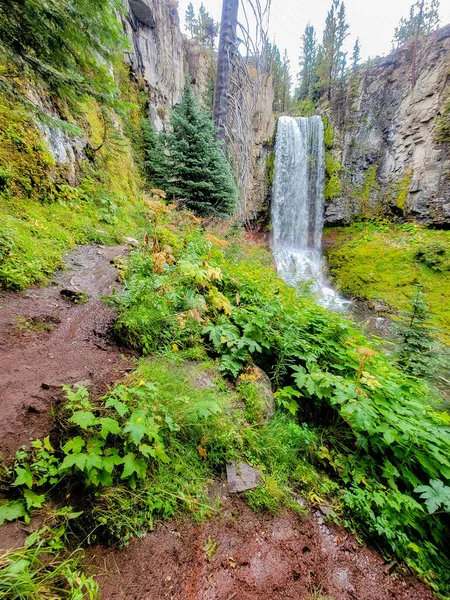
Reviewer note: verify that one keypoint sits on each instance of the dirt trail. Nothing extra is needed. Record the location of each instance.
(256, 558)
(251, 557)
(35, 362)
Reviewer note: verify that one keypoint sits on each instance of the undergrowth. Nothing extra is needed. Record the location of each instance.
(350, 428)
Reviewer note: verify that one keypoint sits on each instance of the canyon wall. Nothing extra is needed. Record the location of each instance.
(393, 163)
(161, 57)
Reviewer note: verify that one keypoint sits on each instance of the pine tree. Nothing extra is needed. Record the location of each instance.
(199, 174)
(416, 343)
(423, 19)
(153, 161)
(205, 28)
(282, 80)
(67, 47)
(286, 83)
(191, 21)
(356, 55)
(332, 56)
(307, 63)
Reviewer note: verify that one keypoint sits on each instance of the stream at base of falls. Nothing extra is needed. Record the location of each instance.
(298, 206)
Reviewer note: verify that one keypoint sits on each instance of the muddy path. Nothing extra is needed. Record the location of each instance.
(47, 340)
(240, 555)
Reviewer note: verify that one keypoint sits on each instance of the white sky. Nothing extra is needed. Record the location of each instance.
(373, 21)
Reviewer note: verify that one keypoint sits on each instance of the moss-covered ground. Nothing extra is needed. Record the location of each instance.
(386, 262)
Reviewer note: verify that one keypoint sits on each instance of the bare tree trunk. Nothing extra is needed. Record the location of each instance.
(227, 47)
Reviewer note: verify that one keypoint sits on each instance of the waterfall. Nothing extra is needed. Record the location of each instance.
(298, 203)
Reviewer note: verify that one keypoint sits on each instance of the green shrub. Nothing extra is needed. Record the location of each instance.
(435, 255)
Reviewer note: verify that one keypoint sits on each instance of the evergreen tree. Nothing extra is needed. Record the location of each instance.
(153, 161)
(332, 56)
(307, 63)
(356, 55)
(286, 83)
(423, 19)
(199, 174)
(191, 21)
(282, 79)
(66, 46)
(205, 28)
(416, 345)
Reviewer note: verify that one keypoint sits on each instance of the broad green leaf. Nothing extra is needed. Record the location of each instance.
(109, 426)
(161, 453)
(77, 460)
(147, 451)
(101, 477)
(74, 445)
(109, 462)
(136, 426)
(131, 465)
(24, 476)
(436, 495)
(33, 500)
(47, 444)
(93, 461)
(11, 511)
(83, 419)
(120, 407)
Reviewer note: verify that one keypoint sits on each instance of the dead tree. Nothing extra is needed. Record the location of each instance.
(227, 49)
(240, 87)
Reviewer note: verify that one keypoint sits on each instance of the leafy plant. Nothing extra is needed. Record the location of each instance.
(44, 568)
(436, 495)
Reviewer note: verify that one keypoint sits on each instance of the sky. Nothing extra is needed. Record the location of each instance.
(373, 21)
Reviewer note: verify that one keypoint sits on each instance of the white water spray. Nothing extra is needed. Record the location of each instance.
(298, 204)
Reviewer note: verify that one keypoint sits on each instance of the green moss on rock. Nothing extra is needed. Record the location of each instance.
(386, 262)
(41, 216)
(366, 193)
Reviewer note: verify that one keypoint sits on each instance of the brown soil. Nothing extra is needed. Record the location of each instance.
(47, 340)
(256, 558)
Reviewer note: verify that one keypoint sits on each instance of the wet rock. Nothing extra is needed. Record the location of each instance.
(142, 13)
(326, 510)
(378, 306)
(51, 386)
(394, 133)
(84, 383)
(242, 477)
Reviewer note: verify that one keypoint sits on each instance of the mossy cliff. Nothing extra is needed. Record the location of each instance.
(50, 201)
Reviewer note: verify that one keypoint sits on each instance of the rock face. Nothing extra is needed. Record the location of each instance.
(157, 54)
(390, 150)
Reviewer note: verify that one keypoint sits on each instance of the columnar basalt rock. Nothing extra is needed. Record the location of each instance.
(393, 130)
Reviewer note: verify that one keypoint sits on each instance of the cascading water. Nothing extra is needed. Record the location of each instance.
(298, 204)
